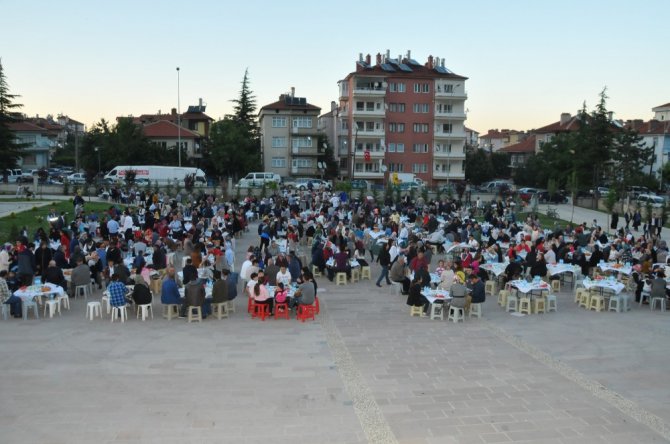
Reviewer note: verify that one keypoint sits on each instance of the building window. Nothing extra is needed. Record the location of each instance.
(278, 162)
(421, 88)
(419, 168)
(301, 142)
(391, 147)
(279, 122)
(302, 122)
(400, 147)
(420, 148)
(448, 88)
(397, 87)
(302, 163)
(397, 107)
(279, 142)
(343, 163)
(421, 108)
(420, 127)
(443, 148)
(396, 127)
(447, 127)
(444, 108)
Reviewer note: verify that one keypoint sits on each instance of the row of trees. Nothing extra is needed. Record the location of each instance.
(10, 150)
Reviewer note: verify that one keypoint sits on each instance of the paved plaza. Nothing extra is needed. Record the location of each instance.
(365, 371)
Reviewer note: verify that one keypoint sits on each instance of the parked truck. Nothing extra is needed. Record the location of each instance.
(407, 180)
(161, 174)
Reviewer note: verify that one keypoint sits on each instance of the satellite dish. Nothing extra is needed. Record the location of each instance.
(384, 168)
(322, 165)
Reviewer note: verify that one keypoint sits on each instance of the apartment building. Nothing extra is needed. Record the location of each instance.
(289, 137)
(398, 115)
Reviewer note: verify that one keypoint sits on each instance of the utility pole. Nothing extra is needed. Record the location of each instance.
(178, 119)
(76, 151)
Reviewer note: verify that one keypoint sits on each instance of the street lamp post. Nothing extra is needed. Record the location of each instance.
(178, 119)
(97, 150)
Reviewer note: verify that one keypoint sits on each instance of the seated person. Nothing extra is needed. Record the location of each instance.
(81, 275)
(281, 295)
(194, 296)
(54, 275)
(141, 293)
(117, 292)
(262, 296)
(306, 293)
(398, 273)
(170, 288)
(415, 298)
(189, 272)
(341, 265)
(220, 287)
(459, 292)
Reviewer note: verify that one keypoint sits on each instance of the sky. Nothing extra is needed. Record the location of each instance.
(526, 61)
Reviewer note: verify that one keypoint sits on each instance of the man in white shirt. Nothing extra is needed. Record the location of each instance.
(284, 277)
(244, 270)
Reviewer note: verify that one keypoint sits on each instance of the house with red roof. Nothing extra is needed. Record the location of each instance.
(167, 135)
(495, 140)
(519, 152)
(656, 134)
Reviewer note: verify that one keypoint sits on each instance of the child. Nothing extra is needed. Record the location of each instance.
(281, 294)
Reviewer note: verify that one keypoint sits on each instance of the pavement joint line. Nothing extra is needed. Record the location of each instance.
(598, 390)
(376, 428)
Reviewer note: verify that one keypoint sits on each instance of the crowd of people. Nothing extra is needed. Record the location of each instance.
(111, 249)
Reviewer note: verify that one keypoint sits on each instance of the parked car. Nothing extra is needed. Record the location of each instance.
(635, 191)
(655, 201)
(526, 193)
(77, 178)
(314, 184)
(497, 186)
(558, 197)
(359, 184)
(407, 186)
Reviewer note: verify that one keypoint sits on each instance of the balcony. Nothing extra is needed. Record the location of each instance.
(367, 134)
(361, 91)
(380, 112)
(454, 115)
(451, 175)
(374, 154)
(456, 95)
(444, 154)
(451, 135)
(306, 151)
(368, 175)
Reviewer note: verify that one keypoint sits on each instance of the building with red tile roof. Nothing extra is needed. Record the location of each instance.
(519, 152)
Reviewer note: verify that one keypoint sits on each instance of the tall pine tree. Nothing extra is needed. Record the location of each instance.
(10, 150)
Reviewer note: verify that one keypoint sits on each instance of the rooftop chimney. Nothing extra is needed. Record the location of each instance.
(293, 91)
(200, 102)
(367, 59)
(174, 111)
(565, 118)
(333, 105)
(388, 56)
(379, 59)
(437, 62)
(430, 61)
(409, 54)
(360, 56)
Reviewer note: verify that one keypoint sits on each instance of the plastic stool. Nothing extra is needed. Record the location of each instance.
(25, 305)
(281, 310)
(261, 311)
(64, 300)
(456, 314)
(84, 290)
(502, 297)
(556, 285)
(585, 299)
(416, 310)
(145, 309)
(53, 305)
(219, 309)
(170, 311)
(661, 302)
(121, 311)
(578, 294)
(305, 312)
(230, 308)
(355, 274)
(93, 309)
(315, 271)
(614, 304)
(197, 316)
(105, 302)
(490, 287)
(5, 311)
(552, 303)
(597, 303)
(625, 302)
(540, 305)
(524, 305)
(341, 278)
(396, 287)
(365, 273)
(317, 305)
(512, 303)
(475, 310)
(437, 311)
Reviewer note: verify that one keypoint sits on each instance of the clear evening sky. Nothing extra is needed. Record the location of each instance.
(527, 61)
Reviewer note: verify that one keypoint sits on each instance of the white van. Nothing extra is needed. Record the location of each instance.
(655, 201)
(13, 175)
(161, 174)
(258, 179)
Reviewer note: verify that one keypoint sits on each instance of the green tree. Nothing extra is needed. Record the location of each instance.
(500, 165)
(629, 155)
(235, 147)
(10, 150)
(478, 167)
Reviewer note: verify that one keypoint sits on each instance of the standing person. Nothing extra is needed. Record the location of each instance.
(43, 256)
(637, 219)
(478, 291)
(628, 216)
(384, 258)
(615, 220)
(26, 260)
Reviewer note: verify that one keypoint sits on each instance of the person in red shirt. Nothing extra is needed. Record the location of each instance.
(418, 262)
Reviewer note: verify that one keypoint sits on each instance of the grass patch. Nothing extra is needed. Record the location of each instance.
(545, 221)
(36, 217)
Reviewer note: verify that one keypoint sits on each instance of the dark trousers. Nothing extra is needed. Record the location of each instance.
(384, 275)
(14, 303)
(405, 285)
